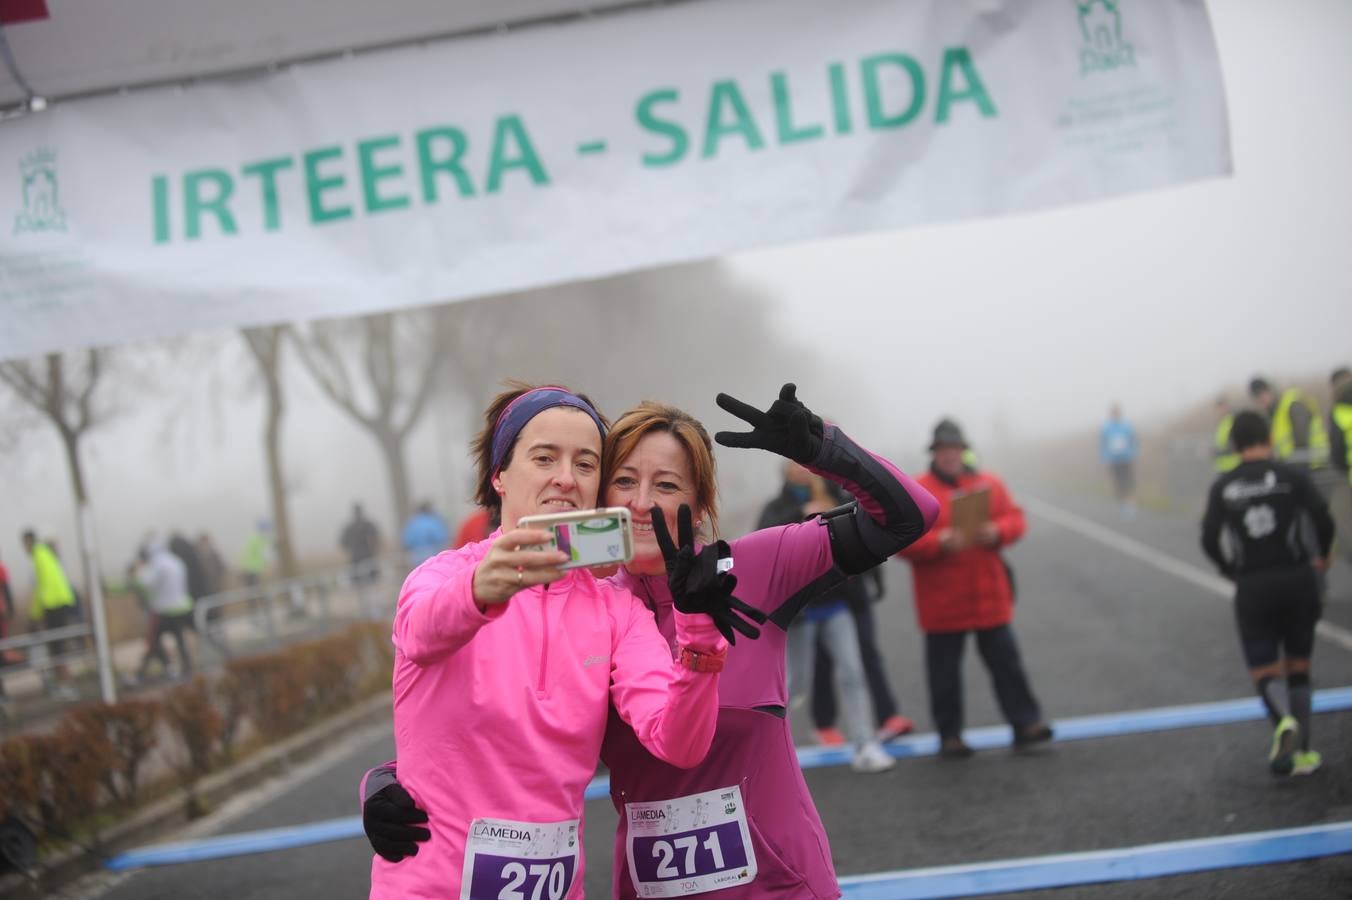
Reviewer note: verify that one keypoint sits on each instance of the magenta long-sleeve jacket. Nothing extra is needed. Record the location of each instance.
(775, 832)
(499, 716)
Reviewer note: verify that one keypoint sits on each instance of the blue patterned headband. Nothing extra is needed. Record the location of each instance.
(528, 406)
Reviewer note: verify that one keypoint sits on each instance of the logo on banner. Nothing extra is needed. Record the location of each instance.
(41, 201)
(1101, 27)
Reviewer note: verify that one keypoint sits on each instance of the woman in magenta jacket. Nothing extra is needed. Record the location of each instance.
(742, 822)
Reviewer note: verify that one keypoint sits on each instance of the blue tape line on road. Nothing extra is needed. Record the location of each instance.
(1082, 728)
(1169, 718)
(1124, 864)
(239, 844)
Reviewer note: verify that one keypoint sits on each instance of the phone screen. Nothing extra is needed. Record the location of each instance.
(599, 537)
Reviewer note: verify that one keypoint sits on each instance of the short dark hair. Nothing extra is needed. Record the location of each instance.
(1258, 385)
(1250, 429)
(1339, 374)
(29, 535)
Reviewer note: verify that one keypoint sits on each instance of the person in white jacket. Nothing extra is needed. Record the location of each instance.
(164, 579)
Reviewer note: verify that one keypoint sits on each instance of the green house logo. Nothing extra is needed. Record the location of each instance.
(1101, 28)
(41, 201)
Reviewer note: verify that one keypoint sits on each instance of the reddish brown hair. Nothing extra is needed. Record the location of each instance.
(650, 416)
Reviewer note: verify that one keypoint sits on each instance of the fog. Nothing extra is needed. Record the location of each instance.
(1157, 300)
(1023, 327)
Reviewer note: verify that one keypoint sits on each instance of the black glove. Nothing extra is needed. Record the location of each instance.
(789, 428)
(696, 584)
(390, 819)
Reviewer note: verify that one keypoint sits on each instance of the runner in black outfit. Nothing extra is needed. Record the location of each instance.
(1260, 503)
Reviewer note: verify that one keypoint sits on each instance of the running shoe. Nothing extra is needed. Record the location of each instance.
(954, 748)
(1281, 758)
(1305, 762)
(871, 757)
(1027, 736)
(830, 737)
(894, 727)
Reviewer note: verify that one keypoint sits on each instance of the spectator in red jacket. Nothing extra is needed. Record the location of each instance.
(961, 586)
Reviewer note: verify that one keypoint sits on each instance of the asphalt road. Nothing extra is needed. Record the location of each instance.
(1100, 631)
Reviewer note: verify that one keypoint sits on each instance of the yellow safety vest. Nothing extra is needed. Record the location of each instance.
(52, 590)
(1283, 437)
(1342, 418)
(1226, 457)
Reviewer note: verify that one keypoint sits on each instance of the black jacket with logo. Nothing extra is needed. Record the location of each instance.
(1260, 504)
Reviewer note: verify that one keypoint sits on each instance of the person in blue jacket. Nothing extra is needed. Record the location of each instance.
(425, 535)
(1118, 449)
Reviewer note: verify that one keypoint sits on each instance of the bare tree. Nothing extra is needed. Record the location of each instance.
(380, 370)
(61, 387)
(265, 344)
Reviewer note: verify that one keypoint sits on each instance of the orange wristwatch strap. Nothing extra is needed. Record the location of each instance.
(701, 662)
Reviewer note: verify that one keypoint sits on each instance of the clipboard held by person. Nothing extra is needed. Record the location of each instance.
(969, 511)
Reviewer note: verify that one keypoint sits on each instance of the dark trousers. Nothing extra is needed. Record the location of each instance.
(823, 681)
(54, 618)
(175, 625)
(1000, 652)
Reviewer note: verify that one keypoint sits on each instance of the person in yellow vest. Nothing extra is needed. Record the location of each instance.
(1298, 434)
(1298, 438)
(1340, 422)
(53, 603)
(1223, 453)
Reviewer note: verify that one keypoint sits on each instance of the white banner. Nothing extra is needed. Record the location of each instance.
(488, 164)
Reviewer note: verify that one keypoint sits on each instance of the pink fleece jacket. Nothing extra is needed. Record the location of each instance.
(500, 715)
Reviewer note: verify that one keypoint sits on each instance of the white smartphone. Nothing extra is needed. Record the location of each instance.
(590, 537)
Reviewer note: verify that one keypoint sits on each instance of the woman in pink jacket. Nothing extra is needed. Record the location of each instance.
(506, 665)
(741, 823)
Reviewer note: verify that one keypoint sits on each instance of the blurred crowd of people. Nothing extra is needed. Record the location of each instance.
(170, 576)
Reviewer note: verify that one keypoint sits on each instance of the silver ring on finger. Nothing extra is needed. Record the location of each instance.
(519, 575)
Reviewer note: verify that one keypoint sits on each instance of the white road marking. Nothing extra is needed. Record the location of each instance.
(1188, 572)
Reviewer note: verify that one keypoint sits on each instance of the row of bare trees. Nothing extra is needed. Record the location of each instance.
(676, 334)
(379, 370)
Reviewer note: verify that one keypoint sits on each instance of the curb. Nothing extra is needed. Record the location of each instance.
(169, 813)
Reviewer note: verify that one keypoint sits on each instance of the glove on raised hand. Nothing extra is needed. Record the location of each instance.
(788, 427)
(696, 584)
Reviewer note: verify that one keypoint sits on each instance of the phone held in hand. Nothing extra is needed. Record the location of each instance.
(590, 537)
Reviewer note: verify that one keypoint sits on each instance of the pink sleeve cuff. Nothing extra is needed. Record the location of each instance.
(698, 632)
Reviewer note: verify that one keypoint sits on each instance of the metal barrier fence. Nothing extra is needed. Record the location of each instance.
(259, 617)
(34, 647)
(364, 591)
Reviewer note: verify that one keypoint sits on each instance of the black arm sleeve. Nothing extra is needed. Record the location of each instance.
(859, 541)
(1212, 521)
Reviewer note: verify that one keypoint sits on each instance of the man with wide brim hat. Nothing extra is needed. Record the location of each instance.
(962, 587)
